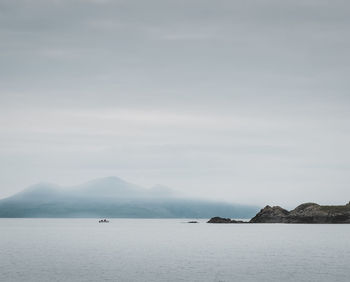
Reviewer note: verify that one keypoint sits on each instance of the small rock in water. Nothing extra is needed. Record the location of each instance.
(218, 219)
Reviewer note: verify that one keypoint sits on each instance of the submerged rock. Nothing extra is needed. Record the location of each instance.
(218, 219)
(193, 221)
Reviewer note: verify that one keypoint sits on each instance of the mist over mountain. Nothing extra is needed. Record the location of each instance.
(114, 197)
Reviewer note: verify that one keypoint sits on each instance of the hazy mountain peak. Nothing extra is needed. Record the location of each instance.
(111, 197)
(109, 187)
(105, 187)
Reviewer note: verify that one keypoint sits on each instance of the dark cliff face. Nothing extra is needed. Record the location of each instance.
(304, 213)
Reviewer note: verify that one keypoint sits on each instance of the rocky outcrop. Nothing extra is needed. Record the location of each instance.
(270, 215)
(304, 213)
(224, 220)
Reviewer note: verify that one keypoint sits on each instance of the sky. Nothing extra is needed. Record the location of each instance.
(242, 101)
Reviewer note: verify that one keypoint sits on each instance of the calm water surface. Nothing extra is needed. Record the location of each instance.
(170, 250)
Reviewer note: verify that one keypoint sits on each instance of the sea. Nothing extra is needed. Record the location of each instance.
(171, 250)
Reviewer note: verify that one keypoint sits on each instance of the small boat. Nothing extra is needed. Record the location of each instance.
(103, 221)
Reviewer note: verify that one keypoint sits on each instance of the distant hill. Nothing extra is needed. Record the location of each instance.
(113, 197)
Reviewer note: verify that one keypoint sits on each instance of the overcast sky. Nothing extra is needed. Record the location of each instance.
(246, 101)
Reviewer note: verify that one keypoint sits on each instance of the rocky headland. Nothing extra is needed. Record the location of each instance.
(304, 213)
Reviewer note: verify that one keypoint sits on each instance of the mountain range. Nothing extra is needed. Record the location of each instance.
(114, 198)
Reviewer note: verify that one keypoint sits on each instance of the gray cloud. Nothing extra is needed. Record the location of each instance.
(244, 101)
